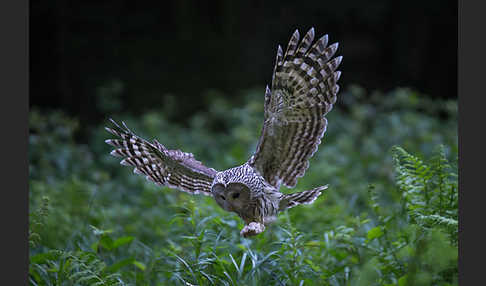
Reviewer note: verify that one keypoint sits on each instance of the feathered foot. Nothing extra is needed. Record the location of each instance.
(253, 228)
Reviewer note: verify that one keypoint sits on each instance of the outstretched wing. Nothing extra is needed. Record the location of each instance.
(172, 168)
(304, 89)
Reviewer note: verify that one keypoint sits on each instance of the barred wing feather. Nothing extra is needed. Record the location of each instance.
(172, 168)
(304, 89)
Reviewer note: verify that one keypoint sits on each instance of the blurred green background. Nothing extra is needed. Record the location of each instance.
(192, 75)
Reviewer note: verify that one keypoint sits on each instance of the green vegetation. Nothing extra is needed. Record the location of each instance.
(389, 216)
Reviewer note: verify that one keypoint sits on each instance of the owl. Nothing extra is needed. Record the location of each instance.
(303, 90)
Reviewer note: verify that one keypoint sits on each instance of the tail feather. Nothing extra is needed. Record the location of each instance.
(305, 197)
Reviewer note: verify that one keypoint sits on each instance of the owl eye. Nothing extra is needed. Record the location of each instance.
(236, 195)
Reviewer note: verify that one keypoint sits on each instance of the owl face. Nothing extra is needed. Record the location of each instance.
(233, 197)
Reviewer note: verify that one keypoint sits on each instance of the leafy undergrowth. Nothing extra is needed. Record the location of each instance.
(389, 216)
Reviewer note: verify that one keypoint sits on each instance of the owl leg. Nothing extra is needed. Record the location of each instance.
(253, 228)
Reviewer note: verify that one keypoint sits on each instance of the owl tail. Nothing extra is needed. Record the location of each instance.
(305, 197)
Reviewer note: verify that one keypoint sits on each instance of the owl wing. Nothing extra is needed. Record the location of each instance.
(172, 168)
(303, 90)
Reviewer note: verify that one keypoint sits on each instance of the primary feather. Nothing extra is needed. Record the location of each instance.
(164, 167)
(303, 90)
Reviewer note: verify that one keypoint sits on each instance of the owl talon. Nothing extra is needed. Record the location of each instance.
(253, 228)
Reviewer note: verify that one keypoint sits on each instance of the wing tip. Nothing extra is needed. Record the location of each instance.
(296, 33)
(267, 89)
(337, 75)
(339, 60)
(111, 131)
(311, 32)
(111, 142)
(115, 153)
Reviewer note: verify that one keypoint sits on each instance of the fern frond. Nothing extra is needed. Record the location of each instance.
(430, 192)
(412, 177)
(448, 223)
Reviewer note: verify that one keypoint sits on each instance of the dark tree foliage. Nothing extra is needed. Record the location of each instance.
(85, 52)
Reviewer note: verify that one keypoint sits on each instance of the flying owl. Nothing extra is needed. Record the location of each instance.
(304, 88)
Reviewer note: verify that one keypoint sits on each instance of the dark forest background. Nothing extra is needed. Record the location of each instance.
(85, 54)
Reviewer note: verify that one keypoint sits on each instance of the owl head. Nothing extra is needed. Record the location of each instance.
(232, 197)
(234, 189)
